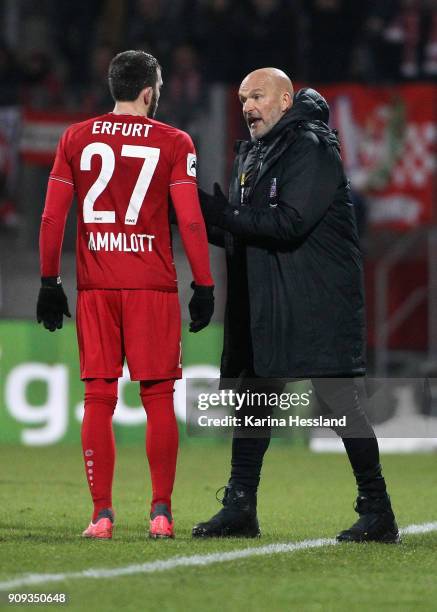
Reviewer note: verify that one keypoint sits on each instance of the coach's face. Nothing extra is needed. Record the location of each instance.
(264, 102)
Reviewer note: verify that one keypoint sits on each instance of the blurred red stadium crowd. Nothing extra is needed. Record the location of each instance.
(56, 54)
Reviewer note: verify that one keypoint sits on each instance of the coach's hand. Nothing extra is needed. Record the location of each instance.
(201, 306)
(213, 206)
(52, 303)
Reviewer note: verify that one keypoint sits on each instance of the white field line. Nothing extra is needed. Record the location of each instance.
(188, 561)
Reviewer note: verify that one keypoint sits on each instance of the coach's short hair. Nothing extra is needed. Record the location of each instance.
(130, 72)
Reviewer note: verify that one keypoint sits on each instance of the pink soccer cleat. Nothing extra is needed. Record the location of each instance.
(161, 522)
(102, 528)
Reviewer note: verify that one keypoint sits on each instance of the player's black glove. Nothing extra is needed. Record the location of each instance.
(213, 206)
(201, 306)
(52, 303)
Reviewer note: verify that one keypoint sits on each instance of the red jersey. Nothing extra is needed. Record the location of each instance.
(122, 168)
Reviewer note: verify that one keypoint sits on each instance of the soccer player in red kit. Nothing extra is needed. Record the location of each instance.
(123, 166)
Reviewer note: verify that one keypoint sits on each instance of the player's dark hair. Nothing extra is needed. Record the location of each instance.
(130, 72)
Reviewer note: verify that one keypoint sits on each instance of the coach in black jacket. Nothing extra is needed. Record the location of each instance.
(300, 254)
(295, 299)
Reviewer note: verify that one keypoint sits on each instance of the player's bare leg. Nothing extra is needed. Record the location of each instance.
(161, 449)
(99, 453)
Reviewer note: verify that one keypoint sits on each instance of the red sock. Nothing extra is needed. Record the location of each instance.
(98, 440)
(162, 438)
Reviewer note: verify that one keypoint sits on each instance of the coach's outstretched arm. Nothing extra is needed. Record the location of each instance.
(304, 198)
(216, 234)
(52, 304)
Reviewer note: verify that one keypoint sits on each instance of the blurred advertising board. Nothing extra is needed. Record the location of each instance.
(41, 394)
(40, 133)
(389, 138)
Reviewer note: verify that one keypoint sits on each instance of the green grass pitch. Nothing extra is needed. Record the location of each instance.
(45, 506)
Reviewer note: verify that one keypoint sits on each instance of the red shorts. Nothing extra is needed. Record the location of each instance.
(140, 324)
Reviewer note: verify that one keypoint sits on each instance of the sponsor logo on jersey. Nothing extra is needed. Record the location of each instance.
(191, 164)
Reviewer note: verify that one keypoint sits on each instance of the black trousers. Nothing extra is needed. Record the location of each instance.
(337, 397)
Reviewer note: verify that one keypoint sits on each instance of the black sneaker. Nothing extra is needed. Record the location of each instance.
(236, 519)
(376, 523)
